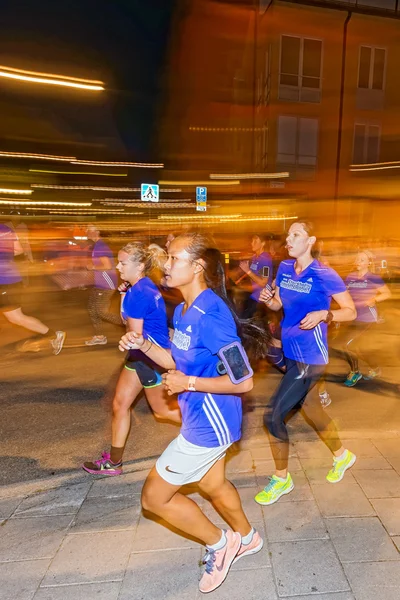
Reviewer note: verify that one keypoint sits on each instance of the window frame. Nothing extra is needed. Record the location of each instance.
(301, 62)
(371, 68)
(366, 124)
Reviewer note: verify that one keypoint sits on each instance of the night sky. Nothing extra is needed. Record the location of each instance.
(122, 42)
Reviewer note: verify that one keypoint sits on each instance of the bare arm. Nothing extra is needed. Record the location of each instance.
(271, 299)
(345, 312)
(177, 382)
(135, 341)
(18, 249)
(382, 293)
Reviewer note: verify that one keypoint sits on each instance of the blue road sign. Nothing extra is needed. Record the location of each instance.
(201, 194)
(150, 192)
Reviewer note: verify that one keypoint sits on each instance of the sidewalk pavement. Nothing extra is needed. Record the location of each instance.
(85, 538)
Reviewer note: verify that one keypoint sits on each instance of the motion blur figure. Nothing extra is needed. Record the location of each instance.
(259, 270)
(11, 289)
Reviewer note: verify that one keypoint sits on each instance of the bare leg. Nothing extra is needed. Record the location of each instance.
(164, 500)
(162, 405)
(128, 388)
(17, 317)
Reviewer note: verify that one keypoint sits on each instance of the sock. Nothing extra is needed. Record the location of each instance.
(282, 478)
(342, 456)
(247, 538)
(116, 454)
(219, 544)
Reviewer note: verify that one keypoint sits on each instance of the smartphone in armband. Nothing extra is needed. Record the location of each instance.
(236, 363)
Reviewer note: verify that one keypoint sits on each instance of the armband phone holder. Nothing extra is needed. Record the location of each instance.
(235, 361)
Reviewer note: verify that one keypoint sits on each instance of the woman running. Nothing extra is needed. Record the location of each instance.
(259, 270)
(143, 309)
(205, 344)
(367, 290)
(304, 290)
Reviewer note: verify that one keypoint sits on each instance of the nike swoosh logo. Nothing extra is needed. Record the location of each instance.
(170, 470)
(219, 569)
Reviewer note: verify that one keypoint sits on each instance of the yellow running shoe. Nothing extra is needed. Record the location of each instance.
(340, 466)
(274, 490)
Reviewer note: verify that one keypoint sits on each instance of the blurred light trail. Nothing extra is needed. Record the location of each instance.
(250, 176)
(11, 191)
(93, 188)
(51, 79)
(223, 129)
(37, 156)
(200, 183)
(169, 217)
(38, 203)
(170, 200)
(111, 202)
(376, 166)
(78, 173)
(102, 163)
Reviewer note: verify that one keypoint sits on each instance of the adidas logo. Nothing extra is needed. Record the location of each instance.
(189, 329)
(309, 279)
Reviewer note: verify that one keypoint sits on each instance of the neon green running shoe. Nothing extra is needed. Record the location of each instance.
(274, 490)
(340, 466)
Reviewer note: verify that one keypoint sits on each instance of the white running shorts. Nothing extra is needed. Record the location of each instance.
(183, 462)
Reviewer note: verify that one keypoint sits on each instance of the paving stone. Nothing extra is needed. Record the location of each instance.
(253, 584)
(261, 560)
(361, 539)
(61, 501)
(251, 508)
(361, 448)
(302, 490)
(7, 506)
(239, 462)
(370, 581)
(307, 567)
(294, 521)
(90, 591)
(395, 462)
(90, 558)
(241, 480)
(123, 485)
(172, 575)
(317, 469)
(344, 499)
(389, 447)
(371, 463)
(107, 514)
(396, 541)
(267, 467)
(312, 449)
(155, 534)
(379, 484)
(19, 580)
(334, 596)
(31, 538)
(388, 510)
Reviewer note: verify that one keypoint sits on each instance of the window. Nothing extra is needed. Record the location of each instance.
(366, 143)
(298, 144)
(300, 69)
(371, 70)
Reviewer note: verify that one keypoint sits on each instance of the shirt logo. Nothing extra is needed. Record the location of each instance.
(189, 328)
(296, 286)
(309, 279)
(181, 340)
(171, 471)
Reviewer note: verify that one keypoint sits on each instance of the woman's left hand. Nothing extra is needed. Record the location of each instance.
(312, 319)
(175, 382)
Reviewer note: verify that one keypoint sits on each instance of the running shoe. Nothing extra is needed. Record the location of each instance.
(372, 373)
(252, 548)
(340, 466)
(104, 466)
(58, 342)
(218, 562)
(325, 399)
(97, 340)
(274, 490)
(353, 378)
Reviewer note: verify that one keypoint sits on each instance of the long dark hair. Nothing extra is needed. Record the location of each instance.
(255, 338)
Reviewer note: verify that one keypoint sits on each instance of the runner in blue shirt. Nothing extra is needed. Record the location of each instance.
(259, 270)
(205, 344)
(304, 289)
(11, 289)
(367, 290)
(105, 284)
(143, 310)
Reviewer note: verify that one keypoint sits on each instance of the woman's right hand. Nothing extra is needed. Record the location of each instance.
(123, 288)
(131, 341)
(266, 295)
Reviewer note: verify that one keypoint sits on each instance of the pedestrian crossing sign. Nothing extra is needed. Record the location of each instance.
(150, 192)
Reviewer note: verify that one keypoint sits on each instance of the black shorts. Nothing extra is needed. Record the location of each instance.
(10, 296)
(149, 372)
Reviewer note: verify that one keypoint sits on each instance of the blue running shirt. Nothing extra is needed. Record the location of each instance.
(105, 280)
(144, 301)
(362, 289)
(8, 270)
(300, 294)
(208, 420)
(260, 265)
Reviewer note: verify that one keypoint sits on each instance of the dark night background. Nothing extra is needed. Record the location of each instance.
(121, 42)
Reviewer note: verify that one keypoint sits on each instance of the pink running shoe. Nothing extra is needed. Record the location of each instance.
(246, 549)
(218, 562)
(104, 466)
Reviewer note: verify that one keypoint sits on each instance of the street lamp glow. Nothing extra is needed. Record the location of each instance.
(38, 203)
(12, 191)
(36, 156)
(51, 79)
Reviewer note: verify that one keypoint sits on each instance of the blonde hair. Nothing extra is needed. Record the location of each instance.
(371, 257)
(152, 257)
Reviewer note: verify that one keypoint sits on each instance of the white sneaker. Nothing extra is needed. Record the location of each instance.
(325, 399)
(97, 340)
(58, 342)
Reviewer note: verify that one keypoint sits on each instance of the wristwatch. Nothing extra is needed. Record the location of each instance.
(329, 318)
(191, 384)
